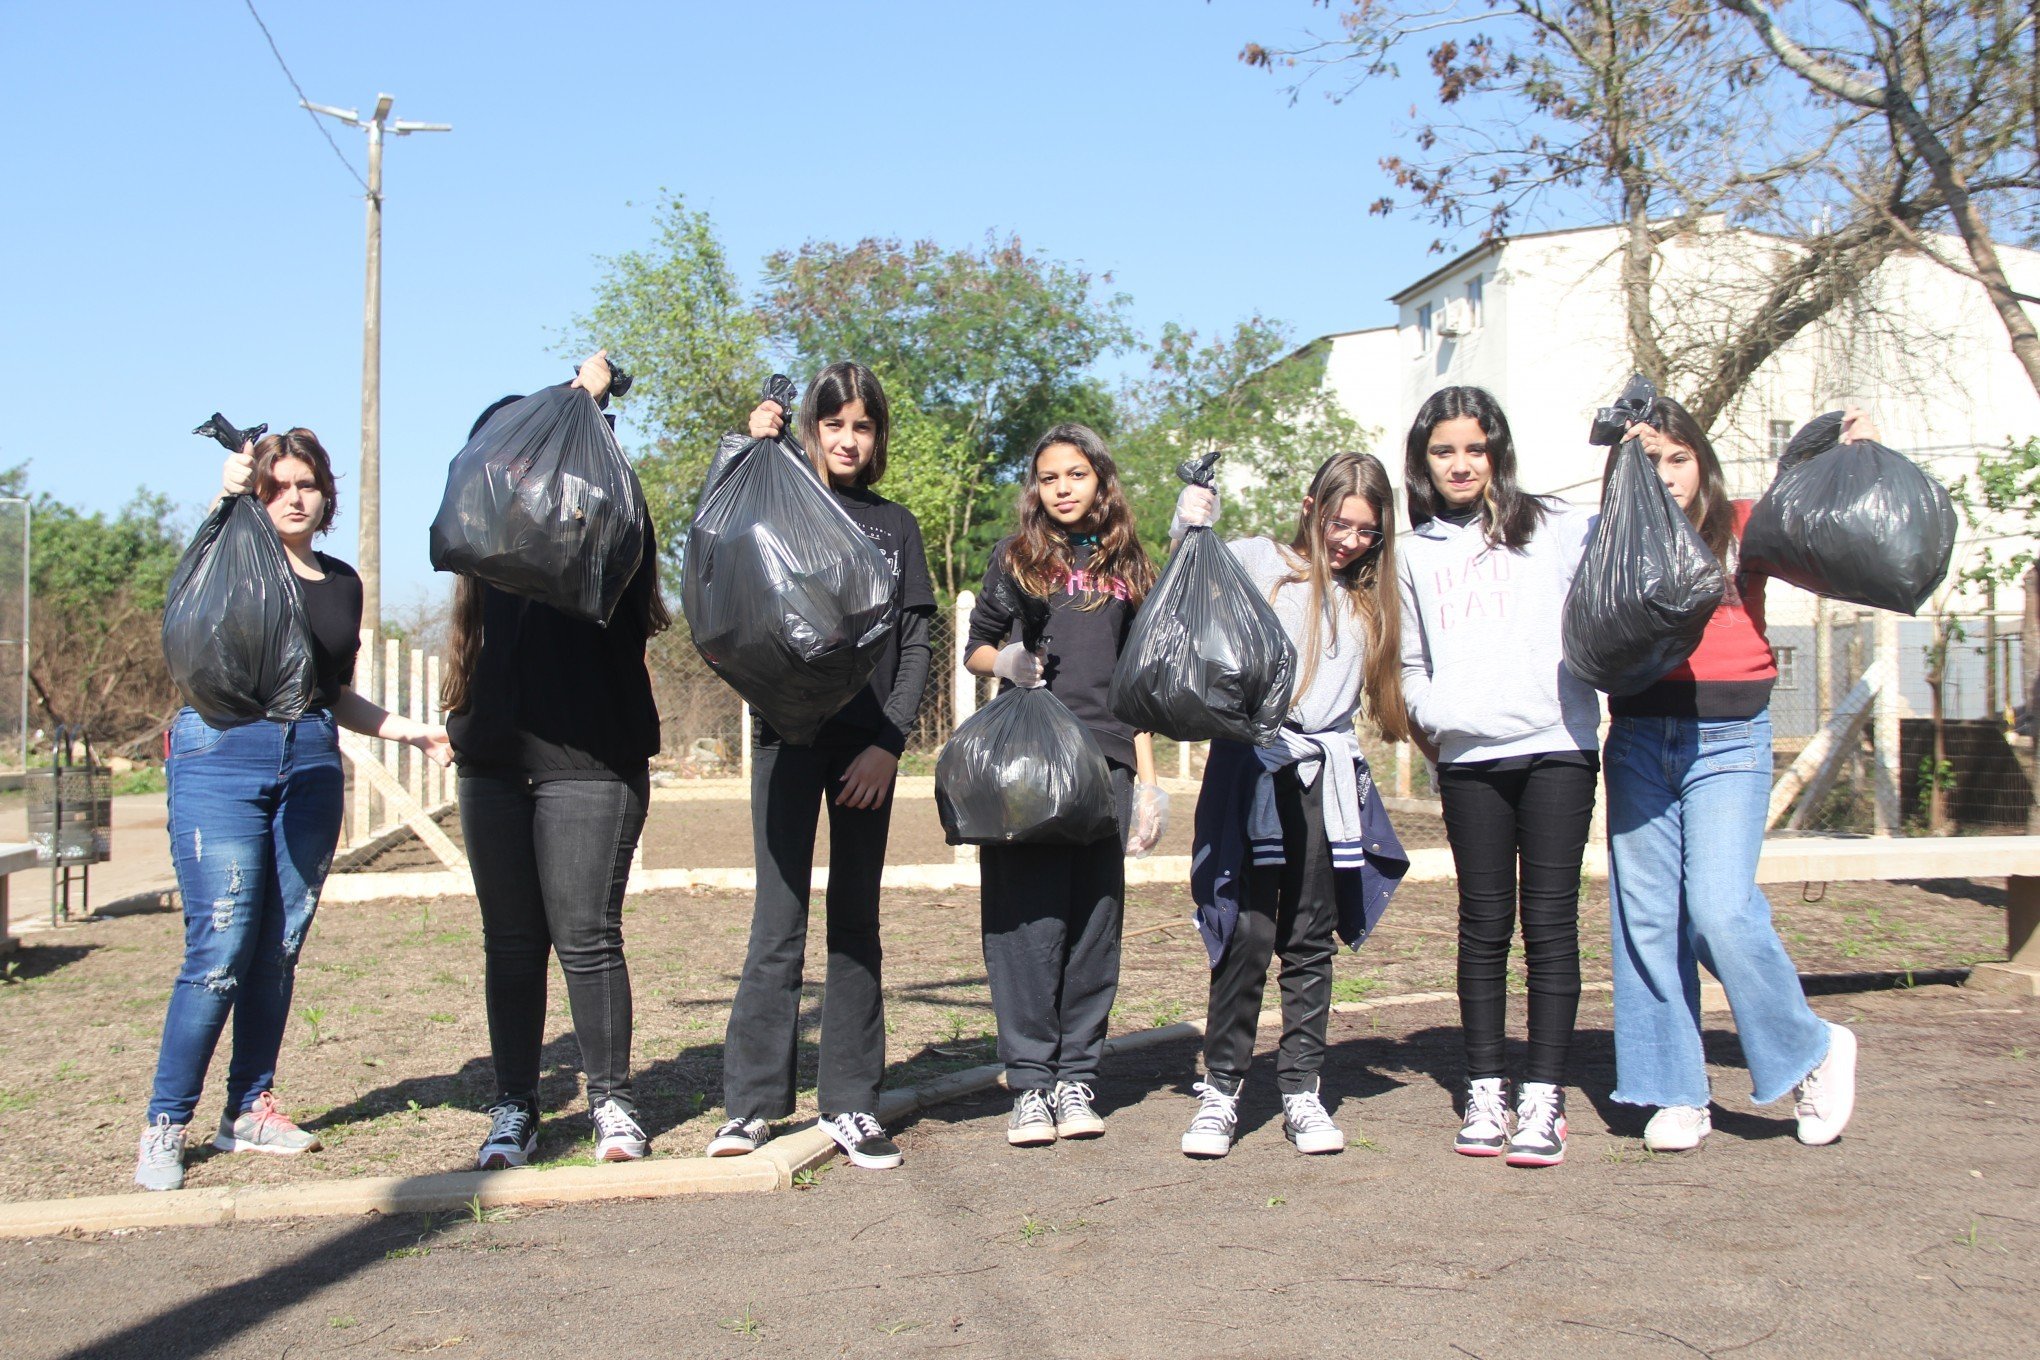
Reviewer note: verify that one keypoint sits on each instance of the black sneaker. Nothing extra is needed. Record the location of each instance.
(738, 1137)
(1033, 1123)
(862, 1139)
(513, 1135)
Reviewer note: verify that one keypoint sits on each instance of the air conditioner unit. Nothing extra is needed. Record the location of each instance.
(1457, 320)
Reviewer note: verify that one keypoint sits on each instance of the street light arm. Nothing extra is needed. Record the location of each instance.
(402, 127)
(344, 115)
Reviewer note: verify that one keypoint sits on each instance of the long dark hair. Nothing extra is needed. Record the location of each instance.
(832, 389)
(464, 635)
(1509, 515)
(1710, 510)
(1039, 555)
(1371, 576)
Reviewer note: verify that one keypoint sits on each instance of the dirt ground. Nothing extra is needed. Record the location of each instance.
(386, 1057)
(1917, 1234)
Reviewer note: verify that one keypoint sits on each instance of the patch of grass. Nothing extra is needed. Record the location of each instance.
(343, 1323)
(442, 1017)
(477, 1212)
(1364, 1143)
(406, 1253)
(10, 1102)
(1354, 988)
(1276, 1201)
(2019, 1054)
(746, 1326)
(1033, 1229)
(143, 779)
(1167, 1013)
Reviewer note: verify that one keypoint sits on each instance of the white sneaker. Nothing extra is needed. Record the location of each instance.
(1678, 1128)
(618, 1136)
(1827, 1097)
(1484, 1132)
(1306, 1124)
(1218, 1117)
(1539, 1139)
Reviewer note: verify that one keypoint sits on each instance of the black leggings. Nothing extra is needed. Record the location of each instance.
(551, 861)
(1538, 814)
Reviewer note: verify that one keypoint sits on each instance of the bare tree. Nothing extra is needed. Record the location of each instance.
(1956, 86)
(1658, 116)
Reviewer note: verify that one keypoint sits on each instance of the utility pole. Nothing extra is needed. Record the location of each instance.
(369, 554)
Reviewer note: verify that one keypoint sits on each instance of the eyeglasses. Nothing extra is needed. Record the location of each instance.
(1352, 533)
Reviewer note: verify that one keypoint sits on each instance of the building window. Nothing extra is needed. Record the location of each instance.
(1474, 288)
(1788, 667)
(1781, 435)
(1424, 329)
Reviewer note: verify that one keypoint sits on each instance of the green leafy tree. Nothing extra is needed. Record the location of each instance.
(1251, 394)
(675, 315)
(987, 347)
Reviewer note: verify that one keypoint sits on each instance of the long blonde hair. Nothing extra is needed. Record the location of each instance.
(1366, 580)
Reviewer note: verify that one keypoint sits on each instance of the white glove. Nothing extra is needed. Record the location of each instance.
(1017, 664)
(1196, 507)
(1150, 819)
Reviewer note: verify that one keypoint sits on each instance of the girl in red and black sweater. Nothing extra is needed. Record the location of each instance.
(1688, 763)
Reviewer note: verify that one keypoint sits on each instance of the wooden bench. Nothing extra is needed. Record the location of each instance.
(1823, 859)
(13, 859)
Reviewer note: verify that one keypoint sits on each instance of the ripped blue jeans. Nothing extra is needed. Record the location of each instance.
(254, 816)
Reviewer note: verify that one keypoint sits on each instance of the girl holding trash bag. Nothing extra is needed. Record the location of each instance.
(553, 723)
(1051, 914)
(844, 427)
(1484, 576)
(1689, 785)
(254, 815)
(1292, 849)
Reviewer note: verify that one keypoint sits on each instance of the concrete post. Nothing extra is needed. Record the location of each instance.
(1884, 729)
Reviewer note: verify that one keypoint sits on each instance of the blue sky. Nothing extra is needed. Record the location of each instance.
(180, 239)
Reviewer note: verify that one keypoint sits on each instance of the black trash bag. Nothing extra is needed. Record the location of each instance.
(235, 634)
(787, 599)
(1861, 524)
(1024, 770)
(1206, 657)
(542, 503)
(1646, 587)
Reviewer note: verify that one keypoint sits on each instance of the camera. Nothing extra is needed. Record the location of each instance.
(1631, 408)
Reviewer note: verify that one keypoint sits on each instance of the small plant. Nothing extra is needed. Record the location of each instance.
(895, 1328)
(1364, 1143)
(441, 1017)
(805, 1179)
(1276, 1201)
(477, 1212)
(1032, 1229)
(1167, 1013)
(342, 1323)
(745, 1326)
(313, 1016)
(406, 1253)
(11, 974)
(2019, 1053)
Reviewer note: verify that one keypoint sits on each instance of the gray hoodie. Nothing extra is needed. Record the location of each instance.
(1482, 665)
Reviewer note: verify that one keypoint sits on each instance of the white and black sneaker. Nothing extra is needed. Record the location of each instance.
(1074, 1115)
(738, 1137)
(618, 1136)
(1217, 1120)
(1033, 1123)
(513, 1135)
(1484, 1130)
(1539, 1139)
(862, 1139)
(1307, 1124)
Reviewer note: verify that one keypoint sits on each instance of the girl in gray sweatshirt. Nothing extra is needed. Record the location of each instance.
(1483, 577)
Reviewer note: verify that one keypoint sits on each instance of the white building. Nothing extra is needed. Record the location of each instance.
(1537, 320)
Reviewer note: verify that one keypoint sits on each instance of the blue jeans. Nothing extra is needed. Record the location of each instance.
(1687, 801)
(254, 816)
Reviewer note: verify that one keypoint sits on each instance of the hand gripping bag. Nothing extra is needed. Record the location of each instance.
(542, 503)
(1646, 587)
(1024, 769)
(1206, 657)
(1861, 524)
(787, 600)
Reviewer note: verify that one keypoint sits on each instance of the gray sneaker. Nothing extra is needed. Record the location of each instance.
(738, 1137)
(619, 1137)
(264, 1128)
(159, 1165)
(1218, 1118)
(1074, 1115)
(1033, 1123)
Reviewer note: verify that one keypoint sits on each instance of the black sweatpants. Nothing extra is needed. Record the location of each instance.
(789, 787)
(1291, 910)
(1051, 916)
(551, 860)
(1495, 818)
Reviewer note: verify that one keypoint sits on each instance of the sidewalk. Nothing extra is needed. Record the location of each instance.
(140, 862)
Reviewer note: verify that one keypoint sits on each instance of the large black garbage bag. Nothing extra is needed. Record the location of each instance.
(1861, 523)
(543, 504)
(787, 599)
(1206, 657)
(235, 634)
(1024, 770)
(1646, 587)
